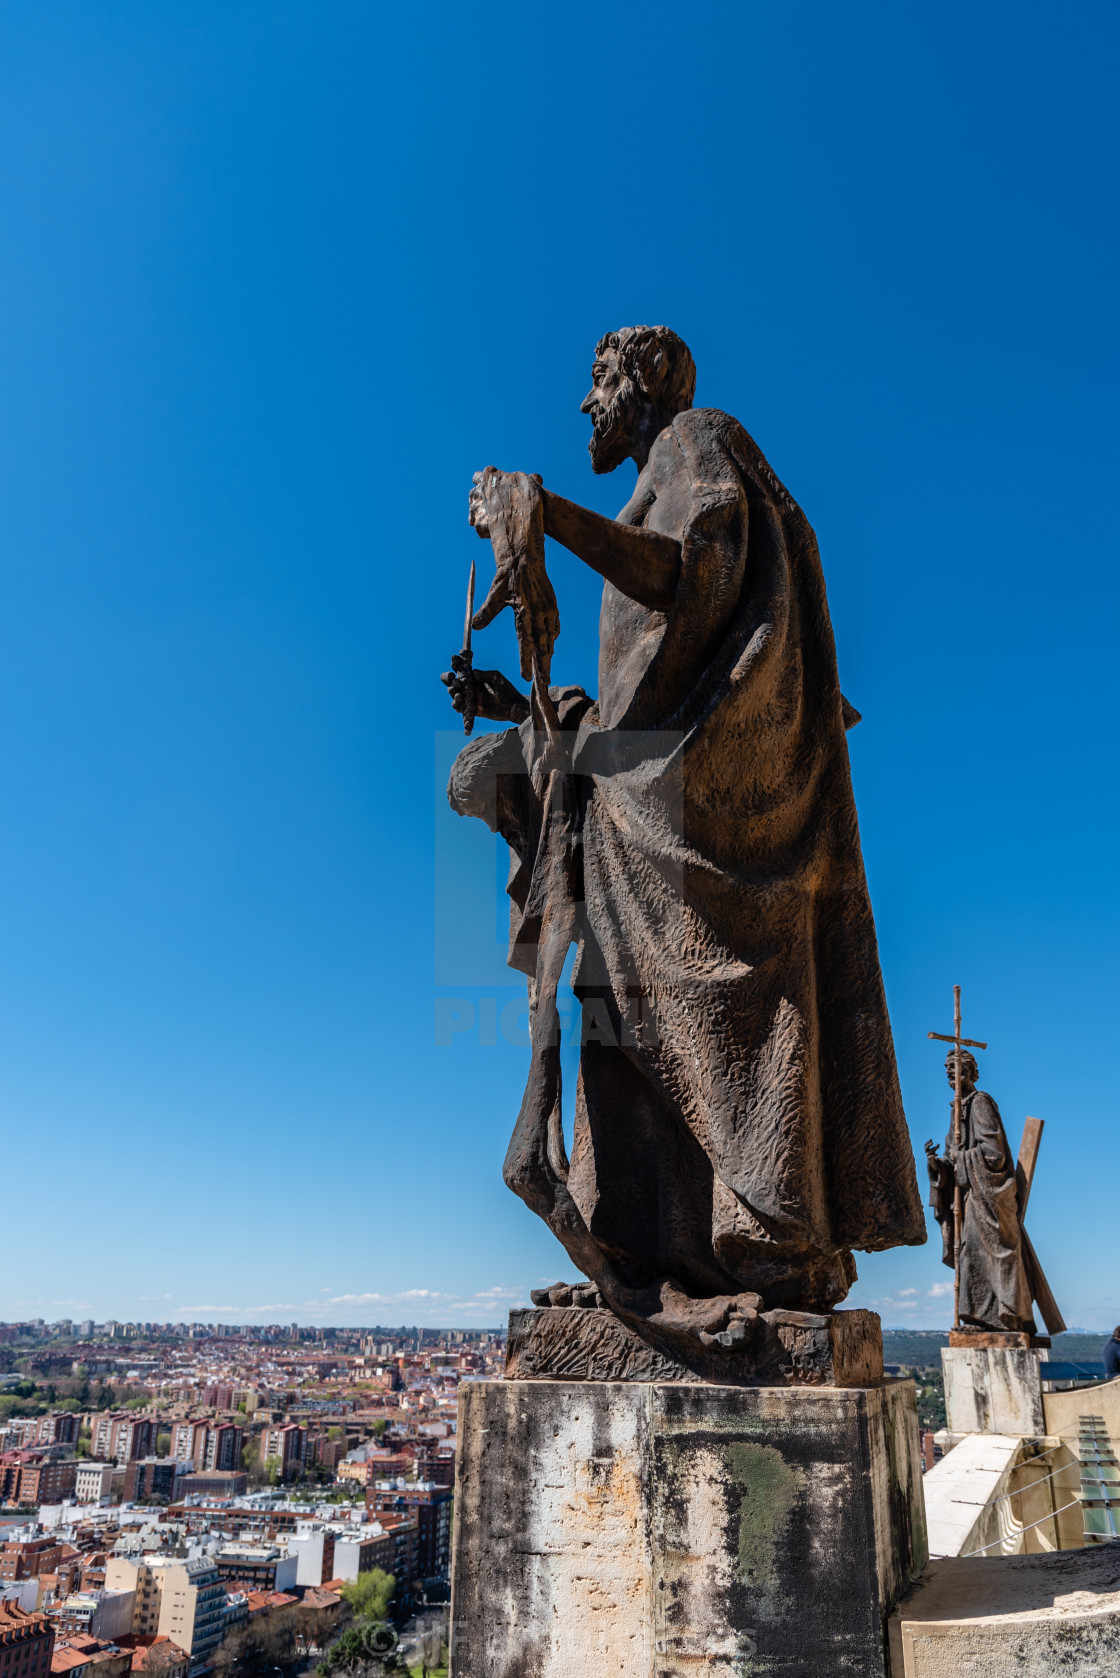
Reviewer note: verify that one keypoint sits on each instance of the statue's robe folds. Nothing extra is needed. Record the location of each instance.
(738, 1119)
(995, 1290)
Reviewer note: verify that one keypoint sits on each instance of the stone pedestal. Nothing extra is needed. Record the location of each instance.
(660, 1529)
(993, 1389)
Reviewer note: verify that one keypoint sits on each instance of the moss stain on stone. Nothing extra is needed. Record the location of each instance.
(770, 1487)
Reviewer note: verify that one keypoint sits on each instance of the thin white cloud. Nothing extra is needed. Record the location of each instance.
(335, 1306)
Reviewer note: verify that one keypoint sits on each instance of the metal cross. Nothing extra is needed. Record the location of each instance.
(959, 1043)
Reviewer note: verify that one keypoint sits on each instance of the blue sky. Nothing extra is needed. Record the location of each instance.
(275, 280)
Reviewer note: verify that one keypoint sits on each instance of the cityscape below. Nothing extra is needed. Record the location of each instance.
(180, 1498)
(214, 1496)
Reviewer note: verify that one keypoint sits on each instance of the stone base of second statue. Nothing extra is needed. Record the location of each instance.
(658, 1528)
(993, 1388)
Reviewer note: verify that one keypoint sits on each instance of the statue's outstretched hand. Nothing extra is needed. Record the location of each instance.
(940, 1170)
(495, 698)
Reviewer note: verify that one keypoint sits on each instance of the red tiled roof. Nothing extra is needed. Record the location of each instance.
(68, 1660)
(321, 1596)
(13, 1616)
(143, 1647)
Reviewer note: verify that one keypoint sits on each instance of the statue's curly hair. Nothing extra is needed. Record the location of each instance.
(658, 362)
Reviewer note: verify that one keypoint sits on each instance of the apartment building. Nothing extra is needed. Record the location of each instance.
(432, 1507)
(47, 1482)
(151, 1477)
(123, 1438)
(207, 1445)
(189, 1441)
(223, 1447)
(126, 1573)
(59, 1429)
(182, 1600)
(93, 1481)
(26, 1642)
(214, 1483)
(286, 1446)
(313, 1548)
(106, 1615)
(257, 1567)
(192, 1598)
(27, 1558)
(329, 1452)
(363, 1548)
(33, 1477)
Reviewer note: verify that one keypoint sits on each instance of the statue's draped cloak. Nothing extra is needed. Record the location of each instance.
(738, 1119)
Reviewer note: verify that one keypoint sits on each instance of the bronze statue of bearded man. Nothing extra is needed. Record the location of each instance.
(692, 830)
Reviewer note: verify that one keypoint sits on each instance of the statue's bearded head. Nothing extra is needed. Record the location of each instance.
(969, 1069)
(642, 378)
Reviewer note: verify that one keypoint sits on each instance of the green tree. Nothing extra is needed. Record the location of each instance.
(931, 1401)
(163, 1443)
(345, 1653)
(359, 1647)
(369, 1595)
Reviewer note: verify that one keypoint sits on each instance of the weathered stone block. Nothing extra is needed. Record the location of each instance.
(652, 1530)
(1012, 1617)
(788, 1348)
(992, 1389)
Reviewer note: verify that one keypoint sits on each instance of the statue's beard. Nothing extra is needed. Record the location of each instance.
(610, 439)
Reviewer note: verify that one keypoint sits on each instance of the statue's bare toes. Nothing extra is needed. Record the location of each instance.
(585, 1295)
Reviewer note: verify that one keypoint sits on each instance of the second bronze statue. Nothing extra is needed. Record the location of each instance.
(692, 831)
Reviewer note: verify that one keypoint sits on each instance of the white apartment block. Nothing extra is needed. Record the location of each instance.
(94, 1481)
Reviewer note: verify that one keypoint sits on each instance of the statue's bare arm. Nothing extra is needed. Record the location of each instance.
(643, 564)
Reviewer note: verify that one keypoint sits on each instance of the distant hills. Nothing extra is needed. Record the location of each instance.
(921, 1347)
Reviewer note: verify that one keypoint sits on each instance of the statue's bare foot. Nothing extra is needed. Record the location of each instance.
(721, 1320)
(726, 1320)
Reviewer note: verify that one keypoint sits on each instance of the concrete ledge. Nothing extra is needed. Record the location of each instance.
(1012, 1617)
(959, 1489)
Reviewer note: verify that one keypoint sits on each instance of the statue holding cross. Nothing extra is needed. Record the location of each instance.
(979, 1197)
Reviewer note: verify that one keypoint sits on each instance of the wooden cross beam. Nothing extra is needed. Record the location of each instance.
(1036, 1280)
